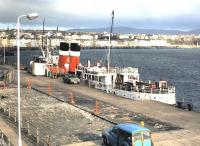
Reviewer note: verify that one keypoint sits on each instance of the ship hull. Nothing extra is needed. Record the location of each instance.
(167, 98)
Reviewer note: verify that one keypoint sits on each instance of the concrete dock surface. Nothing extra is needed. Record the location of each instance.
(87, 143)
(189, 121)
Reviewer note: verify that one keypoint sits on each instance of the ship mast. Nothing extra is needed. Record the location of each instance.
(43, 34)
(42, 48)
(111, 29)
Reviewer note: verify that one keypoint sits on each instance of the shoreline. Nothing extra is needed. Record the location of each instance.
(13, 49)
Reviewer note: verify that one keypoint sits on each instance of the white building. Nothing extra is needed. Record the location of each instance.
(150, 43)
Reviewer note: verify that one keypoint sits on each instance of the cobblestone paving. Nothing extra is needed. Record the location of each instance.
(64, 123)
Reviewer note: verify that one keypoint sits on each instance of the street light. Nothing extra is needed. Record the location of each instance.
(30, 17)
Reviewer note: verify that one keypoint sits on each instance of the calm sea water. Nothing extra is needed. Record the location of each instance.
(181, 67)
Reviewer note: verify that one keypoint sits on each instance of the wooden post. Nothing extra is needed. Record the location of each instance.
(48, 140)
(9, 112)
(4, 85)
(28, 128)
(21, 122)
(15, 117)
(29, 85)
(1, 134)
(9, 142)
(2, 137)
(37, 135)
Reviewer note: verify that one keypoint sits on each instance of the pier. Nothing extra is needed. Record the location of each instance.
(170, 125)
(187, 121)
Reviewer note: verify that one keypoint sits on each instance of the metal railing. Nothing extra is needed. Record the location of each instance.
(4, 140)
(37, 136)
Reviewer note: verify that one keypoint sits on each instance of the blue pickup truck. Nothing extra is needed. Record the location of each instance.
(127, 134)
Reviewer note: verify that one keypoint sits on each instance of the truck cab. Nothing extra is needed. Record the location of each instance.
(127, 134)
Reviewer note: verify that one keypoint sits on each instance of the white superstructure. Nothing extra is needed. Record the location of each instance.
(125, 82)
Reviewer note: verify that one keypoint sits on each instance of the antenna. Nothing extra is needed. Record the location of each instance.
(42, 48)
(111, 29)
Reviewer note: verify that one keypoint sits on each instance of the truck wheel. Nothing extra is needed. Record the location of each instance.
(105, 142)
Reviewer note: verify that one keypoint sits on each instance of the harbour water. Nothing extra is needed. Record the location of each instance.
(181, 67)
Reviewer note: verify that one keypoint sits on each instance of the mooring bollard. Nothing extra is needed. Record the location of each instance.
(28, 128)
(37, 135)
(97, 108)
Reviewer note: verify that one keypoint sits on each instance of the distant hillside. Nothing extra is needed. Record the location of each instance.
(125, 30)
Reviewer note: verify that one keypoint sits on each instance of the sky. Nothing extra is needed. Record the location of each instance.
(148, 14)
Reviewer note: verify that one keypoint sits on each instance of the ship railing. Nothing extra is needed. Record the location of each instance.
(128, 70)
(158, 90)
(101, 85)
(100, 72)
(170, 89)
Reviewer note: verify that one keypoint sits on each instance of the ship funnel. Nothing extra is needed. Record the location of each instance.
(74, 57)
(64, 58)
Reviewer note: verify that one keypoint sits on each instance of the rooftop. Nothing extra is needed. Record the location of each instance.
(130, 128)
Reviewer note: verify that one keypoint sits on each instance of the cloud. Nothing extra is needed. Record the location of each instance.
(97, 13)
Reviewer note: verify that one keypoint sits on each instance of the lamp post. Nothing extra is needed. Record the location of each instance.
(30, 17)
